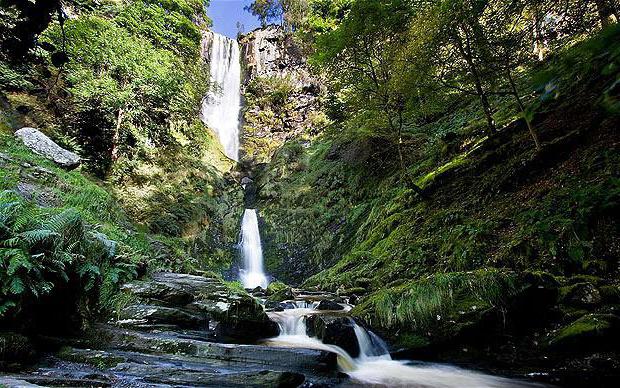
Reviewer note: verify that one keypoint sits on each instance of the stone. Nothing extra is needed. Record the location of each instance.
(195, 302)
(40, 144)
(334, 330)
(329, 305)
(581, 295)
(138, 314)
(592, 331)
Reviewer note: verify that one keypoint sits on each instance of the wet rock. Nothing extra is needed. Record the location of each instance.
(592, 331)
(149, 314)
(15, 382)
(329, 305)
(581, 295)
(196, 302)
(97, 358)
(334, 330)
(46, 147)
(168, 343)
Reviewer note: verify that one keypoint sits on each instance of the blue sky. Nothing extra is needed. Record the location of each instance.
(227, 13)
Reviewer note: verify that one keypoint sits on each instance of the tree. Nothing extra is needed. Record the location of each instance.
(361, 56)
(267, 11)
(31, 19)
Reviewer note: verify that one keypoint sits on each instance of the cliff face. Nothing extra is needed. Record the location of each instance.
(281, 95)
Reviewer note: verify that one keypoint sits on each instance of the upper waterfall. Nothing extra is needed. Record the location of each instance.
(221, 106)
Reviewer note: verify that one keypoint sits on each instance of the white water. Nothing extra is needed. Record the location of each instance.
(252, 273)
(221, 106)
(374, 365)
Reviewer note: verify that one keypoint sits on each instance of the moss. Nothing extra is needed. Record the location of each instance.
(98, 359)
(411, 341)
(422, 304)
(275, 287)
(610, 294)
(588, 331)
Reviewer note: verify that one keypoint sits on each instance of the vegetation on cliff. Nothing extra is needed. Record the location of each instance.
(120, 84)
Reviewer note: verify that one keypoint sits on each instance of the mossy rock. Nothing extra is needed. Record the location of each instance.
(279, 292)
(584, 295)
(610, 294)
(97, 358)
(592, 331)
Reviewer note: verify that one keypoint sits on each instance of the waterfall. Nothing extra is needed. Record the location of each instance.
(221, 106)
(252, 273)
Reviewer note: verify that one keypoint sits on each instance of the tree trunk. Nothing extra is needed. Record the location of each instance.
(116, 136)
(515, 93)
(466, 52)
(539, 44)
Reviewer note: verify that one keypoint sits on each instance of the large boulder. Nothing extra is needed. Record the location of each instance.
(173, 300)
(40, 144)
(592, 331)
(329, 305)
(334, 330)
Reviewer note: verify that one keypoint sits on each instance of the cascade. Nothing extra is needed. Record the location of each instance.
(252, 273)
(374, 365)
(221, 106)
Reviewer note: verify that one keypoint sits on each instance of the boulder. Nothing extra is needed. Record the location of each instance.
(40, 144)
(592, 331)
(581, 295)
(329, 305)
(182, 301)
(334, 330)
(140, 314)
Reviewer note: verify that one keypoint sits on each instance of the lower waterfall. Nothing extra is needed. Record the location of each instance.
(252, 274)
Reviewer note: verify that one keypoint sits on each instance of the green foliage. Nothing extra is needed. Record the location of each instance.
(134, 81)
(40, 248)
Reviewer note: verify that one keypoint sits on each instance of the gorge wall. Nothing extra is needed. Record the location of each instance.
(281, 96)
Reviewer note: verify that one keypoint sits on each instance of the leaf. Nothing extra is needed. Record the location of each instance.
(17, 286)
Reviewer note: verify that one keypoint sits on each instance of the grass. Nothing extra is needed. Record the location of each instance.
(418, 305)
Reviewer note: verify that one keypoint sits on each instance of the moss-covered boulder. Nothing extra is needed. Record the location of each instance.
(279, 292)
(584, 295)
(592, 331)
(458, 307)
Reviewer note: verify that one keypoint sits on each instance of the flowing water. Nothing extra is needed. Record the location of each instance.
(374, 366)
(221, 106)
(252, 273)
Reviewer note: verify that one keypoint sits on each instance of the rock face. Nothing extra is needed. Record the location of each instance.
(178, 301)
(281, 95)
(44, 146)
(270, 51)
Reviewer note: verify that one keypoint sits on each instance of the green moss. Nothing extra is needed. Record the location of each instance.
(420, 304)
(589, 330)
